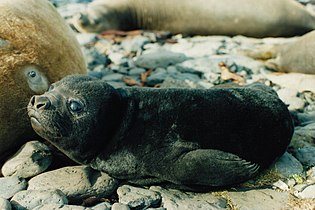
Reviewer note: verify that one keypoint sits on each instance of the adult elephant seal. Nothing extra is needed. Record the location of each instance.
(298, 56)
(36, 49)
(188, 137)
(260, 18)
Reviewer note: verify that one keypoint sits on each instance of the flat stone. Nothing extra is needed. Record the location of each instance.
(113, 77)
(29, 199)
(136, 71)
(308, 192)
(86, 38)
(177, 200)
(287, 166)
(59, 207)
(102, 206)
(296, 81)
(11, 185)
(260, 199)
(160, 58)
(306, 155)
(305, 134)
(138, 198)
(5, 204)
(289, 96)
(77, 182)
(120, 206)
(33, 158)
(134, 44)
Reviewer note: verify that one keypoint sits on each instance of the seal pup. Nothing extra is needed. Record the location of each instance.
(260, 18)
(187, 137)
(37, 48)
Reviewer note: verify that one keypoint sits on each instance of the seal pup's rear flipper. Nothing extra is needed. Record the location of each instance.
(209, 167)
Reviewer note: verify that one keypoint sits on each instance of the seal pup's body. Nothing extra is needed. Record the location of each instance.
(260, 18)
(189, 137)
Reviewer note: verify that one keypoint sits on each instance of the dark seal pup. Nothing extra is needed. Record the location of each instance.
(189, 137)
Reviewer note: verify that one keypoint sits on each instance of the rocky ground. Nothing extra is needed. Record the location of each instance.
(162, 60)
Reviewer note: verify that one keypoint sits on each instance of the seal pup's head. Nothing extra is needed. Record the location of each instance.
(78, 115)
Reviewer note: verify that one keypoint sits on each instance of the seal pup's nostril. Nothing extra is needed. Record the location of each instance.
(41, 102)
(32, 100)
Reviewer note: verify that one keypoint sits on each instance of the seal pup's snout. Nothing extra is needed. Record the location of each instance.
(40, 102)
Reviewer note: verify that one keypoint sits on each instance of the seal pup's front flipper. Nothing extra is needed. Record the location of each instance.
(209, 167)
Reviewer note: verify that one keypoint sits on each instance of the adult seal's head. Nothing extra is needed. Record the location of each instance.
(188, 137)
(36, 48)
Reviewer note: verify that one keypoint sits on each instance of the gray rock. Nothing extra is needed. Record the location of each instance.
(5, 204)
(138, 197)
(305, 133)
(29, 199)
(134, 44)
(120, 206)
(311, 175)
(33, 158)
(77, 182)
(261, 199)
(308, 192)
(11, 185)
(86, 38)
(136, 71)
(306, 155)
(102, 206)
(177, 200)
(113, 77)
(94, 58)
(59, 207)
(156, 78)
(287, 166)
(160, 58)
(289, 96)
(116, 57)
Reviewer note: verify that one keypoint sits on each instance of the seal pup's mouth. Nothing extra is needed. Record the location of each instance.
(34, 118)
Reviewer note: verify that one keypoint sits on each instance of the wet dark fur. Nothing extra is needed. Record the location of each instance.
(189, 137)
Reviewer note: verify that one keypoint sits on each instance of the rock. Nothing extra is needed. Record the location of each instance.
(305, 134)
(177, 200)
(295, 81)
(260, 199)
(138, 197)
(102, 206)
(11, 185)
(311, 175)
(29, 199)
(306, 155)
(113, 77)
(161, 58)
(281, 185)
(60, 207)
(120, 206)
(5, 204)
(86, 38)
(156, 78)
(94, 58)
(289, 96)
(136, 71)
(134, 44)
(33, 158)
(287, 166)
(308, 192)
(77, 182)
(117, 58)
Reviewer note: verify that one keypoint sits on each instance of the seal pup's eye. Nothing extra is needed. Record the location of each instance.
(75, 106)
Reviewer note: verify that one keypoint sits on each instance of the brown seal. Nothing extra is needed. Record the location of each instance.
(260, 18)
(36, 48)
(188, 137)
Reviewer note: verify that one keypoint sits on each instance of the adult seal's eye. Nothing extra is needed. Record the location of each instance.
(32, 74)
(75, 106)
(36, 80)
